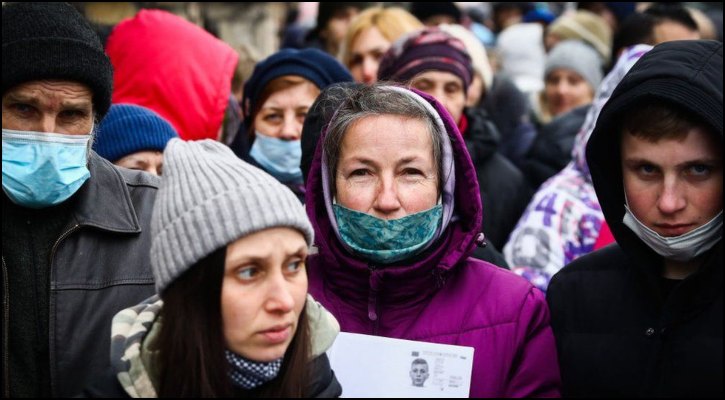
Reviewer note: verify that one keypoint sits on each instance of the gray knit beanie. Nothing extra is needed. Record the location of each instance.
(578, 57)
(209, 198)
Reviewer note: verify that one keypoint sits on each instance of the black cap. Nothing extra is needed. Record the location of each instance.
(54, 41)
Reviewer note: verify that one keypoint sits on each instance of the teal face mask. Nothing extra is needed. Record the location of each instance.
(387, 241)
(43, 169)
(280, 158)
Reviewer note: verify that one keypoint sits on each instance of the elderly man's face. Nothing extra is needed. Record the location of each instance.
(51, 106)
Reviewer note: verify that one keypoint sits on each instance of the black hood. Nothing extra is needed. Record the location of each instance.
(687, 74)
(317, 117)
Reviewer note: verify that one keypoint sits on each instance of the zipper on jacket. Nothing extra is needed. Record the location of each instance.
(373, 298)
(51, 311)
(6, 332)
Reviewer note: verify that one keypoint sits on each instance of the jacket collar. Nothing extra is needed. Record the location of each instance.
(104, 200)
(134, 331)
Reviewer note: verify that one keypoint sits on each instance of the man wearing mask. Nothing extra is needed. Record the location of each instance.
(643, 316)
(75, 228)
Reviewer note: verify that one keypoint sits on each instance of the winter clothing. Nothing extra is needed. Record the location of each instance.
(503, 188)
(441, 295)
(423, 11)
(234, 199)
(319, 115)
(622, 329)
(551, 150)
(97, 266)
(521, 51)
(54, 41)
(474, 47)
(509, 110)
(314, 65)
(563, 219)
(424, 50)
(539, 15)
(166, 63)
(136, 329)
(605, 237)
(128, 129)
(578, 57)
(585, 26)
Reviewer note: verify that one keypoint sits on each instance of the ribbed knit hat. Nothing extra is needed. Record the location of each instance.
(426, 50)
(54, 41)
(475, 49)
(128, 129)
(314, 65)
(587, 26)
(578, 57)
(210, 198)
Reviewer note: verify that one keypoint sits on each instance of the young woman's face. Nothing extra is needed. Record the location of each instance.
(366, 52)
(673, 186)
(263, 292)
(446, 87)
(284, 112)
(565, 90)
(386, 167)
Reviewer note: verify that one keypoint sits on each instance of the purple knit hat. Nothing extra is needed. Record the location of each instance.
(424, 50)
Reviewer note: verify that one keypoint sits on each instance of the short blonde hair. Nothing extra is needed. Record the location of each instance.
(392, 23)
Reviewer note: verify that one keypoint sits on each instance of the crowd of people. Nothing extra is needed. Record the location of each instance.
(182, 218)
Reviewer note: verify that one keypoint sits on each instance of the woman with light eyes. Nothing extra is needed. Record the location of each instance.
(232, 316)
(276, 99)
(394, 200)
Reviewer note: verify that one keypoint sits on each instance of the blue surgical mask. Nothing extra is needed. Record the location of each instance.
(281, 158)
(43, 169)
(679, 248)
(387, 241)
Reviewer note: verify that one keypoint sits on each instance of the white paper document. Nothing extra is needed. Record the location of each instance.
(374, 366)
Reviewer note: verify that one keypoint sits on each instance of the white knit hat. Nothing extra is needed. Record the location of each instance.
(209, 198)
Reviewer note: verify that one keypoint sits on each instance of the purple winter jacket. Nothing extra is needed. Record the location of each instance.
(443, 296)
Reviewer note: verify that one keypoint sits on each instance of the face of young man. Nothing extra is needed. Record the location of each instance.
(673, 185)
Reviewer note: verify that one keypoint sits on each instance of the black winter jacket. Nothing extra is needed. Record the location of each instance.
(551, 150)
(620, 331)
(504, 190)
(98, 267)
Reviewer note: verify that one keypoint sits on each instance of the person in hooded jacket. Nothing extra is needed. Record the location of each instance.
(163, 62)
(435, 62)
(563, 220)
(276, 99)
(644, 317)
(393, 197)
(232, 316)
(319, 116)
